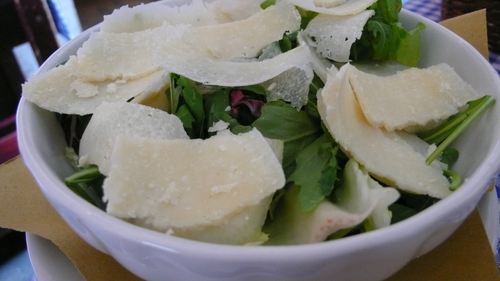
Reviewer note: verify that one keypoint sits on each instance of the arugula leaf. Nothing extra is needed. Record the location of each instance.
(306, 17)
(187, 103)
(446, 133)
(297, 129)
(267, 3)
(316, 172)
(87, 183)
(385, 39)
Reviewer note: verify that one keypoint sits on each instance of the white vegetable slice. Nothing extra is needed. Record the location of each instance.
(410, 97)
(360, 194)
(334, 35)
(358, 198)
(349, 7)
(244, 38)
(146, 16)
(384, 154)
(121, 55)
(59, 90)
(190, 183)
(114, 119)
(175, 56)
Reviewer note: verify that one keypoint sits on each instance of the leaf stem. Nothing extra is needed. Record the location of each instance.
(471, 115)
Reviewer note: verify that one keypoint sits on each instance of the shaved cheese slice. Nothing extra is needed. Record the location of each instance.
(241, 228)
(244, 38)
(328, 3)
(175, 56)
(155, 14)
(233, 10)
(111, 120)
(120, 55)
(291, 86)
(334, 35)
(349, 7)
(384, 154)
(190, 183)
(59, 90)
(320, 65)
(410, 97)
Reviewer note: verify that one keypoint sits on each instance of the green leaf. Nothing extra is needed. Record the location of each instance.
(409, 47)
(187, 120)
(476, 109)
(87, 183)
(400, 212)
(267, 3)
(174, 93)
(316, 172)
(297, 129)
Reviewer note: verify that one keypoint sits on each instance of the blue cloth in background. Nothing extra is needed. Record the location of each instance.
(60, 19)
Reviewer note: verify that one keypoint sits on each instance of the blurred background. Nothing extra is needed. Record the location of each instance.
(31, 30)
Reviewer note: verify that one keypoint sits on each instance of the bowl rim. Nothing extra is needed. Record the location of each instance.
(482, 177)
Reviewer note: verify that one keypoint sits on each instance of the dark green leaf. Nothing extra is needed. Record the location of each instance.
(316, 172)
(297, 129)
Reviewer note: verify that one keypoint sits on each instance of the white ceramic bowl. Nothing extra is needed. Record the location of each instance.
(370, 256)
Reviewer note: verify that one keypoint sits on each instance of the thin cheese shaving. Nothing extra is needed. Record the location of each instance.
(142, 17)
(385, 155)
(410, 97)
(244, 38)
(334, 35)
(120, 55)
(177, 57)
(114, 119)
(174, 186)
(349, 7)
(59, 90)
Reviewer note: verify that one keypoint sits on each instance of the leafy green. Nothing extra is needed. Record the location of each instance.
(267, 3)
(87, 183)
(316, 172)
(297, 129)
(385, 39)
(409, 204)
(446, 133)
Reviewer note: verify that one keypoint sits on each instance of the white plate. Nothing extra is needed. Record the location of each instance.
(51, 264)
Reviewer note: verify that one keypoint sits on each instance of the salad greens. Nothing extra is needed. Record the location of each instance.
(312, 160)
(385, 39)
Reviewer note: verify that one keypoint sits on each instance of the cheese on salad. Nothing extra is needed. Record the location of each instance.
(349, 7)
(410, 97)
(59, 90)
(243, 227)
(244, 38)
(385, 155)
(147, 16)
(177, 57)
(233, 10)
(333, 36)
(112, 120)
(125, 56)
(190, 183)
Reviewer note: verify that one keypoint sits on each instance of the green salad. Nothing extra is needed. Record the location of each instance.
(319, 118)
